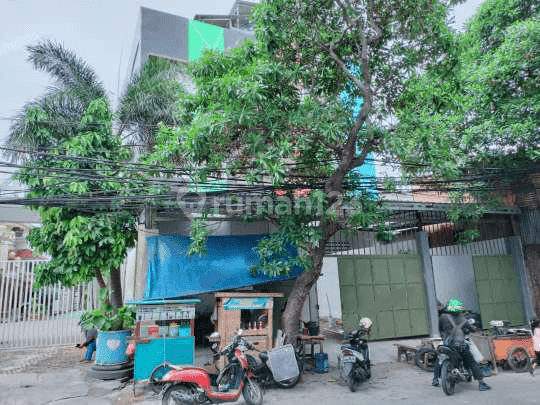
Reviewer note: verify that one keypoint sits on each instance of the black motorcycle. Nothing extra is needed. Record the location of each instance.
(353, 359)
(453, 368)
(263, 373)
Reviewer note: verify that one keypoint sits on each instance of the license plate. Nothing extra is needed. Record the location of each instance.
(349, 359)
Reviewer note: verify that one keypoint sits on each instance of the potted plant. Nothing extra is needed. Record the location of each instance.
(114, 326)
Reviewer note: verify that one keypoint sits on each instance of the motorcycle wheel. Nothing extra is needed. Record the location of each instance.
(252, 393)
(291, 382)
(352, 382)
(447, 381)
(177, 395)
(426, 358)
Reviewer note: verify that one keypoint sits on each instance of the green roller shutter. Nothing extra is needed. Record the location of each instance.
(387, 289)
(497, 286)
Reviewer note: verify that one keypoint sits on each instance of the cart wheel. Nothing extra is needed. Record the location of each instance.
(518, 359)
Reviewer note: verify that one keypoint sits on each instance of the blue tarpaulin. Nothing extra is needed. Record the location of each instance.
(172, 273)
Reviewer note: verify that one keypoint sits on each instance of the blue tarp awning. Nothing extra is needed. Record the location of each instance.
(172, 273)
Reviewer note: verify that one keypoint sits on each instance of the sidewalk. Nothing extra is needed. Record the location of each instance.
(61, 380)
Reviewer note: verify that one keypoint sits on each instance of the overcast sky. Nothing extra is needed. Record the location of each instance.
(99, 31)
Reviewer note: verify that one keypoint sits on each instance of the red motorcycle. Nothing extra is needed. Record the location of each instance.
(194, 385)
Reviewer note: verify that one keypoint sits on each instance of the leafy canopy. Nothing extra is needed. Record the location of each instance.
(85, 166)
(482, 106)
(294, 113)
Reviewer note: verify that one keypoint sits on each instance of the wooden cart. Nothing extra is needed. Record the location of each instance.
(513, 351)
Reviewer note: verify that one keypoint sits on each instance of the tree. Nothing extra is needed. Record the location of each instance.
(295, 113)
(476, 117)
(481, 106)
(77, 170)
(85, 236)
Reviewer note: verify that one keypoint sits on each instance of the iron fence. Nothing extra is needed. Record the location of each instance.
(46, 316)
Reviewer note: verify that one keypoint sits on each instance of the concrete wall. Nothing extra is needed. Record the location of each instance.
(454, 278)
(163, 34)
(328, 289)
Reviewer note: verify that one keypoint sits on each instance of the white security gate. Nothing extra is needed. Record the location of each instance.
(46, 316)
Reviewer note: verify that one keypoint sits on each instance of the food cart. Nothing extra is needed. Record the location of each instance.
(163, 333)
(251, 312)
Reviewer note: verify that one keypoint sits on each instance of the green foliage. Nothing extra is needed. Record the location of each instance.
(468, 236)
(107, 318)
(150, 99)
(483, 106)
(271, 113)
(81, 242)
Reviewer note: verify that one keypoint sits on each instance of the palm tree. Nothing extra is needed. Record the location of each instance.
(149, 98)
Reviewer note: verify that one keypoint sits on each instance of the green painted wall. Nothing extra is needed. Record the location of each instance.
(203, 36)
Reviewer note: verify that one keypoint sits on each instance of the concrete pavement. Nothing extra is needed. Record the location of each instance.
(391, 383)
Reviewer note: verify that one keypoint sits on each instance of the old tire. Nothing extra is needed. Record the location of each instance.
(426, 358)
(252, 393)
(448, 382)
(518, 359)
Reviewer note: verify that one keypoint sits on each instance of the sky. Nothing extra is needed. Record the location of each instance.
(101, 32)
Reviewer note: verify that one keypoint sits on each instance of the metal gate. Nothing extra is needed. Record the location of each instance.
(498, 289)
(46, 316)
(387, 288)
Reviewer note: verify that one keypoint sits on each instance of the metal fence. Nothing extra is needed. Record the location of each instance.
(47, 316)
(445, 237)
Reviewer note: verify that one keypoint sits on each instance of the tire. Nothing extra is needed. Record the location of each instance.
(111, 374)
(252, 393)
(176, 390)
(518, 359)
(448, 383)
(353, 384)
(426, 358)
(291, 382)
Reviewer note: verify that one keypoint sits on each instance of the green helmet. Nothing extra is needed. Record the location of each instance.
(455, 306)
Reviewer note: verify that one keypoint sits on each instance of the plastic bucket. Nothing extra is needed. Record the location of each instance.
(111, 347)
(321, 363)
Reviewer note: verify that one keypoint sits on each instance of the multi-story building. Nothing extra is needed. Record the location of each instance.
(396, 282)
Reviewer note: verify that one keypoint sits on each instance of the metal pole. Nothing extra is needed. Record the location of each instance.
(515, 249)
(429, 284)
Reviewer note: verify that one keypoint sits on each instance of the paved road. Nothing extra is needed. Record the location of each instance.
(54, 376)
(391, 383)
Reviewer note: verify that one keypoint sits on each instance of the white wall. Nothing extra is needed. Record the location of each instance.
(454, 278)
(328, 289)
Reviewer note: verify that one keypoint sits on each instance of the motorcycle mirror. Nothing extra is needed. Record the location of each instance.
(255, 343)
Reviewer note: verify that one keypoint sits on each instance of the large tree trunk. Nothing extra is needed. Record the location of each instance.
(295, 303)
(100, 280)
(116, 288)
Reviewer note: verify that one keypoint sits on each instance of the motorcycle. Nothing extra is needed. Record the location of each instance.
(194, 385)
(453, 369)
(353, 358)
(265, 376)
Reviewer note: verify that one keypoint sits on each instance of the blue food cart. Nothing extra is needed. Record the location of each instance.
(164, 332)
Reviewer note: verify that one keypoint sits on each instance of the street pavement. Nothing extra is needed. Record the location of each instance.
(60, 379)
